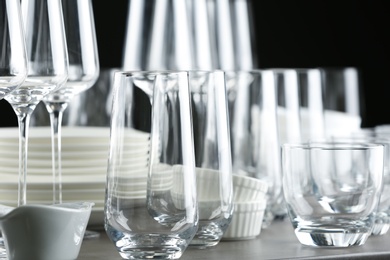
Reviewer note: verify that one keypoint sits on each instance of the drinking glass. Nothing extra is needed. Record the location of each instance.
(332, 191)
(83, 73)
(311, 104)
(48, 69)
(343, 102)
(13, 58)
(254, 132)
(288, 110)
(151, 206)
(158, 36)
(382, 216)
(212, 156)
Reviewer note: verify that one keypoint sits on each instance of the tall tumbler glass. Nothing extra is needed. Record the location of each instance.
(254, 132)
(151, 206)
(332, 191)
(212, 155)
(311, 104)
(343, 101)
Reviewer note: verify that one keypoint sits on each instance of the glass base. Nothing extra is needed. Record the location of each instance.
(148, 246)
(151, 253)
(332, 237)
(209, 234)
(380, 229)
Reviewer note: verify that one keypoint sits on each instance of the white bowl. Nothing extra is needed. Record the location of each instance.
(45, 232)
(247, 220)
(247, 189)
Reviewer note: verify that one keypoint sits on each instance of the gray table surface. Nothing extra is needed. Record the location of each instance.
(276, 242)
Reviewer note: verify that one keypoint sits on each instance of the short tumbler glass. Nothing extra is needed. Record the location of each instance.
(332, 191)
(151, 207)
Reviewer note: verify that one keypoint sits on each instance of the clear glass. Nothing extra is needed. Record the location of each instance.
(343, 102)
(13, 58)
(311, 104)
(212, 156)
(382, 217)
(254, 133)
(83, 73)
(47, 69)
(158, 36)
(151, 209)
(332, 191)
(287, 93)
(300, 104)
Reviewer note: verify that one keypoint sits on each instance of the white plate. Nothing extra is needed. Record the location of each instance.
(69, 133)
(47, 196)
(65, 171)
(12, 179)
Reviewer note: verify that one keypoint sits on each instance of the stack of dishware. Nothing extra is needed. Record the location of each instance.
(84, 166)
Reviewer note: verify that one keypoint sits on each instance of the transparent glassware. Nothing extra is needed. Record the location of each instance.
(13, 58)
(47, 69)
(332, 191)
(212, 156)
(151, 208)
(343, 102)
(382, 216)
(158, 36)
(83, 73)
(254, 132)
(311, 104)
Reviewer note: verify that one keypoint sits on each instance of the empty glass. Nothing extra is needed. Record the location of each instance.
(212, 156)
(151, 208)
(254, 132)
(332, 191)
(342, 100)
(300, 104)
(311, 104)
(287, 91)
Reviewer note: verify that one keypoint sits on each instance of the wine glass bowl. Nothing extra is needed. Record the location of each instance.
(13, 59)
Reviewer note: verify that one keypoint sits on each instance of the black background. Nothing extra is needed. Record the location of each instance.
(289, 33)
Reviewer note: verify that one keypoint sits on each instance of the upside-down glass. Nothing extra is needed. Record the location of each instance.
(151, 208)
(13, 58)
(83, 73)
(212, 156)
(48, 69)
(332, 191)
(254, 132)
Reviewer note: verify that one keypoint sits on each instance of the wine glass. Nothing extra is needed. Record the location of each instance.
(83, 73)
(48, 69)
(13, 58)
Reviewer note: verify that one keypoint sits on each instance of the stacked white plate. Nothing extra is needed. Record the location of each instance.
(84, 165)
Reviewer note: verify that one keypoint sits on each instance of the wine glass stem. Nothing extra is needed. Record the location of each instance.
(56, 110)
(23, 121)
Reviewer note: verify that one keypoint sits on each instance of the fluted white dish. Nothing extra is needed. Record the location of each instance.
(247, 220)
(247, 188)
